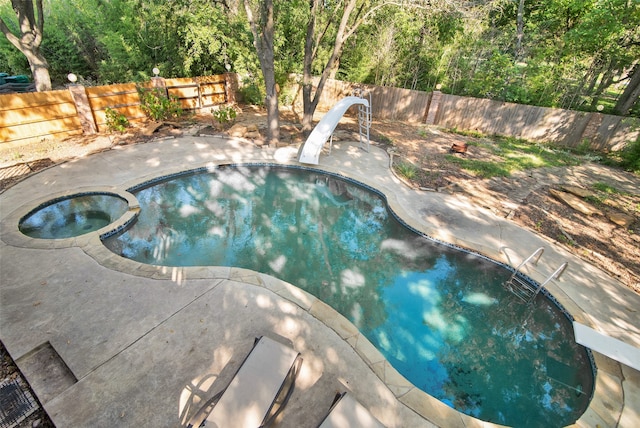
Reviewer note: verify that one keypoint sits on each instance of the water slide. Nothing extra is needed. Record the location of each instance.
(310, 150)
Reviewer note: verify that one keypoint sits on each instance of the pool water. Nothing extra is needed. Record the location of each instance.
(73, 216)
(439, 315)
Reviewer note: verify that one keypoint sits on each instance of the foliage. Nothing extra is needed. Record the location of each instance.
(383, 139)
(225, 114)
(116, 121)
(252, 93)
(576, 54)
(514, 154)
(157, 106)
(406, 169)
(483, 169)
(28, 38)
(630, 156)
(12, 61)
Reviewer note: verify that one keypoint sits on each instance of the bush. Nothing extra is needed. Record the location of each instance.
(252, 94)
(225, 115)
(116, 121)
(158, 107)
(407, 170)
(630, 156)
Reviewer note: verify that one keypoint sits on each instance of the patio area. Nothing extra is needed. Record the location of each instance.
(105, 341)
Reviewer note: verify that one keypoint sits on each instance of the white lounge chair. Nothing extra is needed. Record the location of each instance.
(258, 391)
(347, 412)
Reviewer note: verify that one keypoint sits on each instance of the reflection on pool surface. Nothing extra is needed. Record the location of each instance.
(438, 314)
(73, 216)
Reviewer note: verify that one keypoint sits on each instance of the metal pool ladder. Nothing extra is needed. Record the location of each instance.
(364, 119)
(522, 288)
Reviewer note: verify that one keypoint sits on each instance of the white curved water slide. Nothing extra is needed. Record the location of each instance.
(309, 152)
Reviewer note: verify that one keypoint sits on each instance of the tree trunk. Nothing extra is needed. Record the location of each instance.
(520, 32)
(308, 106)
(310, 103)
(263, 42)
(631, 94)
(31, 30)
(39, 70)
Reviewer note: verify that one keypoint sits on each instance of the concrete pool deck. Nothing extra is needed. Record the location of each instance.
(106, 341)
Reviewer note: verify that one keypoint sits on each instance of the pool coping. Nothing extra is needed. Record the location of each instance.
(608, 399)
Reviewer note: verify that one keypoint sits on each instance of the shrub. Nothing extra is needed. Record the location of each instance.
(252, 94)
(116, 121)
(630, 156)
(407, 170)
(158, 107)
(225, 114)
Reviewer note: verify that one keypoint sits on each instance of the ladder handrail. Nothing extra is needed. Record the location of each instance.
(537, 253)
(556, 274)
(364, 119)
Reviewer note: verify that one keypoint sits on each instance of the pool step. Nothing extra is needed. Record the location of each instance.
(521, 288)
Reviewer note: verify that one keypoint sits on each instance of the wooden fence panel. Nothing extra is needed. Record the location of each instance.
(212, 88)
(133, 113)
(213, 99)
(212, 93)
(398, 104)
(112, 101)
(35, 131)
(617, 137)
(37, 114)
(122, 97)
(33, 99)
(29, 116)
(557, 126)
(33, 116)
(186, 90)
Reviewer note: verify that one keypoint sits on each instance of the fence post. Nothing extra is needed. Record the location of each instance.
(590, 132)
(230, 87)
(80, 99)
(160, 85)
(434, 106)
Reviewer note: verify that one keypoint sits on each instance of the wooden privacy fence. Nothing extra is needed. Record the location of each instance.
(31, 117)
(24, 116)
(566, 128)
(386, 102)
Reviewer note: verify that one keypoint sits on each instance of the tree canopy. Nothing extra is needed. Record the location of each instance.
(577, 54)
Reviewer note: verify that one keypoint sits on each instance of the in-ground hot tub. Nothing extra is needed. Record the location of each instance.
(73, 215)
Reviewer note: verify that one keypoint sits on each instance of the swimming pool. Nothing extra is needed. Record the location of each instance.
(439, 315)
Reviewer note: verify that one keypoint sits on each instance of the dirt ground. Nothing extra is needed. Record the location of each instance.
(524, 198)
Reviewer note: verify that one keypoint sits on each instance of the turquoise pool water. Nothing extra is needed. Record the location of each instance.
(440, 315)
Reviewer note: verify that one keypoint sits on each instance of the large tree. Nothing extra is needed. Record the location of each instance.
(631, 94)
(29, 39)
(263, 29)
(334, 23)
